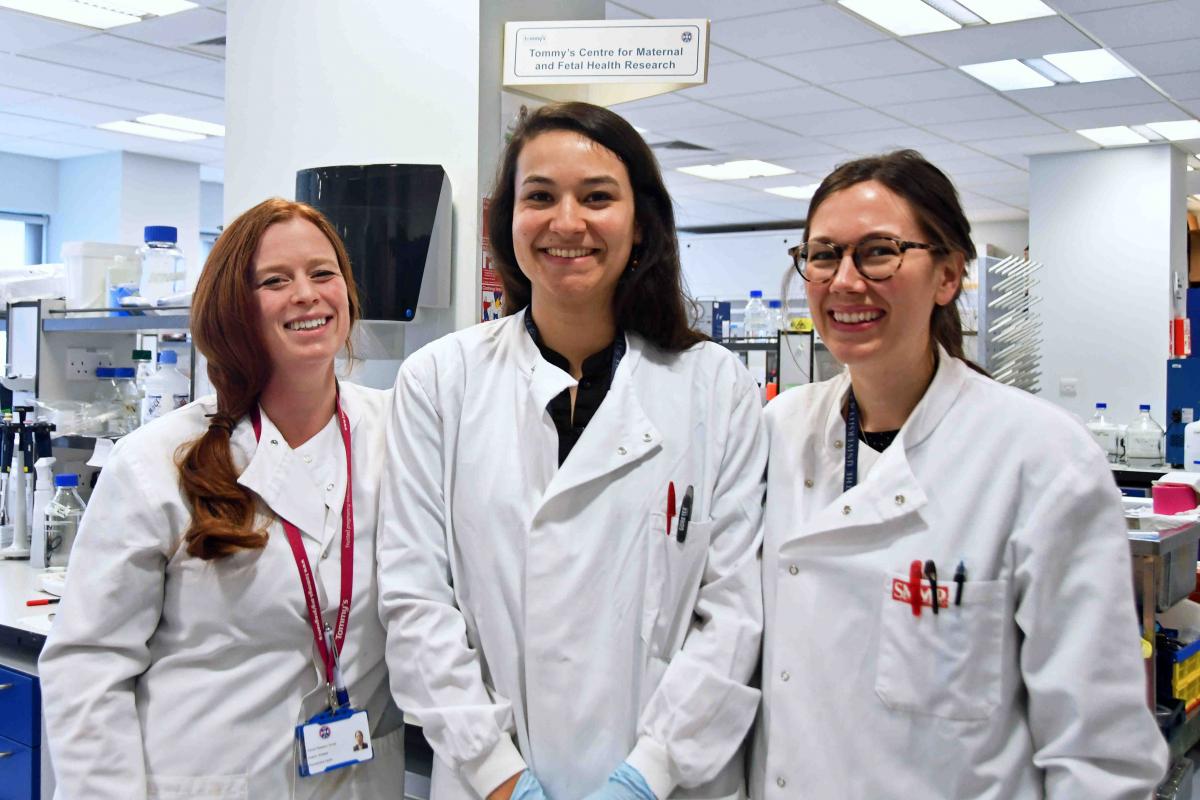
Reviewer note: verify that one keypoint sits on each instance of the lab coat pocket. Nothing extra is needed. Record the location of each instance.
(195, 787)
(673, 573)
(947, 664)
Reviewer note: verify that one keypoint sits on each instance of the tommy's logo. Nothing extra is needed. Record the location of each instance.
(324, 732)
(902, 593)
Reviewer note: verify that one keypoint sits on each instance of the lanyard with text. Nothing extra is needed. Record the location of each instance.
(850, 473)
(306, 575)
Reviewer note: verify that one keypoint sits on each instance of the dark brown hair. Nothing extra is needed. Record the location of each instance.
(649, 299)
(934, 201)
(225, 328)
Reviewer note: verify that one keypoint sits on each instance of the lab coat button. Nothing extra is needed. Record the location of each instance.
(846, 510)
(838, 444)
(621, 451)
(784, 676)
(646, 437)
(899, 499)
(780, 782)
(274, 441)
(793, 569)
(808, 483)
(308, 459)
(329, 488)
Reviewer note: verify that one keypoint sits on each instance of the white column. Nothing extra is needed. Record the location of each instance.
(1109, 226)
(367, 82)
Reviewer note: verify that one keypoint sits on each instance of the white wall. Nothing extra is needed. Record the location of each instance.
(28, 185)
(162, 191)
(1102, 222)
(1011, 236)
(728, 265)
(89, 202)
(212, 206)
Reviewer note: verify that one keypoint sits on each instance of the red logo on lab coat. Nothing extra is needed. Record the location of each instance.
(901, 593)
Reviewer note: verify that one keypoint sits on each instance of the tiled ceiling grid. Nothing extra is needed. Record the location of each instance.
(802, 83)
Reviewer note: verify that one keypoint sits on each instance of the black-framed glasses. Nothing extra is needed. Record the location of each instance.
(876, 258)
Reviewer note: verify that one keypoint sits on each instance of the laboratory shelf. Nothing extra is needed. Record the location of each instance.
(174, 322)
(747, 344)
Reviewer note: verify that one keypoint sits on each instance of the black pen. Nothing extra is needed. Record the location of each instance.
(931, 574)
(685, 516)
(960, 577)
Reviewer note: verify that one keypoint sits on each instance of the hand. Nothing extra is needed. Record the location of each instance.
(522, 786)
(626, 783)
(505, 790)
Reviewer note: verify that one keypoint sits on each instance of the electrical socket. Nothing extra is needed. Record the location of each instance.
(82, 363)
(1068, 387)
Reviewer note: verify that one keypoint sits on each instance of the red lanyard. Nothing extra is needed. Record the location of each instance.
(302, 565)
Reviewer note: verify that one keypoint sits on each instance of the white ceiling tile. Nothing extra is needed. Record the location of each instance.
(755, 140)
(969, 164)
(1032, 145)
(760, 184)
(818, 165)
(960, 109)
(212, 174)
(824, 123)
(146, 97)
(109, 54)
(936, 85)
(740, 77)
(998, 177)
(176, 30)
(213, 114)
(669, 159)
(614, 11)
(110, 140)
(11, 97)
(42, 76)
(869, 60)
(1157, 22)
(17, 125)
(677, 115)
(1025, 125)
(22, 31)
(765, 105)
(1000, 214)
(1029, 38)
(942, 151)
(1120, 115)
(76, 112)
(813, 28)
(208, 80)
(44, 149)
(1192, 106)
(671, 98)
(710, 9)
(1075, 96)
(884, 141)
(1181, 86)
(719, 55)
(1163, 58)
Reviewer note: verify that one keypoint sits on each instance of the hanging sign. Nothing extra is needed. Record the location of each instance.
(605, 61)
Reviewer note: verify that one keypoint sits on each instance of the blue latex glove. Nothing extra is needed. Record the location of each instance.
(626, 783)
(528, 788)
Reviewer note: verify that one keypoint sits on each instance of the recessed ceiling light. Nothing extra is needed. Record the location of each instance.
(152, 131)
(902, 17)
(186, 124)
(1145, 130)
(1177, 130)
(795, 192)
(957, 12)
(1008, 10)
(102, 15)
(1007, 75)
(1087, 66)
(1045, 68)
(736, 170)
(1115, 135)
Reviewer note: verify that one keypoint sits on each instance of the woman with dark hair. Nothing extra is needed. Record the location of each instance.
(220, 539)
(569, 537)
(948, 607)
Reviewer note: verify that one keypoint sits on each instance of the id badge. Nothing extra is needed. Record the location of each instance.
(334, 739)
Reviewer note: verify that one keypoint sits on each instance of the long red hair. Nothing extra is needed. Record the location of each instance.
(225, 328)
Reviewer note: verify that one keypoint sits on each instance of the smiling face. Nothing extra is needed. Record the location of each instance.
(573, 224)
(304, 309)
(878, 323)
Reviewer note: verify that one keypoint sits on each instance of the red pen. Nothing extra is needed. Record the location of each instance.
(915, 571)
(42, 601)
(670, 506)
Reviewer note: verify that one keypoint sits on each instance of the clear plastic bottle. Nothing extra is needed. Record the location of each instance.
(166, 390)
(131, 399)
(1106, 434)
(774, 317)
(163, 267)
(107, 402)
(143, 364)
(1144, 438)
(1191, 446)
(62, 519)
(754, 317)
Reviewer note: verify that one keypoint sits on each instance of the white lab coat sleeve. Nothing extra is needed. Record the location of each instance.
(697, 718)
(99, 643)
(435, 674)
(1079, 657)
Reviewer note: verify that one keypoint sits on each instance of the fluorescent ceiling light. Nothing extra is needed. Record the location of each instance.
(186, 124)
(1008, 10)
(1007, 75)
(1045, 68)
(146, 8)
(956, 12)
(736, 170)
(795, 192)
(1087, 66)
(1144, 130)
(1117, 134)
(1177, 130)
(902, 17)
(70, 11)
(153, 131)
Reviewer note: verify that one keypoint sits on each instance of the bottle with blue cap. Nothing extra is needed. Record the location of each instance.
(62, 519)
(163, 269)
(1105, 432)
(754, 316)
(166, 390)
(1144, 439)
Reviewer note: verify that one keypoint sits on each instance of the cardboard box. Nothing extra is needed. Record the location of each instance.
(1193, 256)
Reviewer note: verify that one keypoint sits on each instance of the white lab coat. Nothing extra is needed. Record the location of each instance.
(166, 676)
(1032, 688)
(548, 603)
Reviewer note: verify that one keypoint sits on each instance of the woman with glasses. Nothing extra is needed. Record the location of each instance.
(948, 608)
